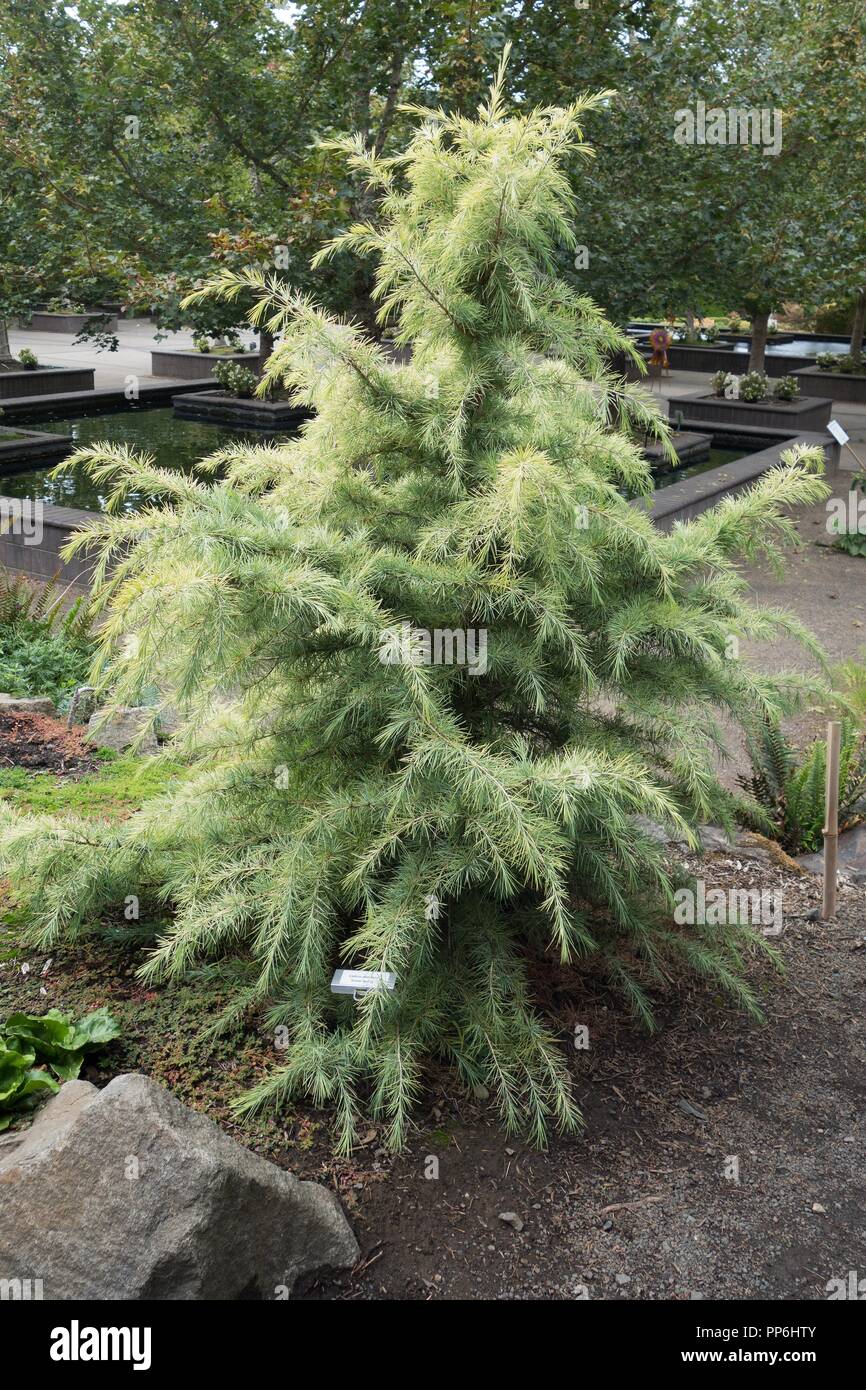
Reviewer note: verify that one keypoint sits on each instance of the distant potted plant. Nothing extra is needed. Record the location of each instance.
(754, 386)
(60, 305)
(720, 381)
(787, 388)
(235, 380)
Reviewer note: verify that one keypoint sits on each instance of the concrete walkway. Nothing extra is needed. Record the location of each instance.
(132, 358)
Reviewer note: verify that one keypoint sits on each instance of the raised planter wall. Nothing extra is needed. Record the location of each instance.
(647, 325)
(236, 410)
(716, 358)
(686, 500)
(28, 408)
(809, 413)
(36, 445)
(45, 381)
(842, 386)
(44, 560)
(193, 366)
(67, 323)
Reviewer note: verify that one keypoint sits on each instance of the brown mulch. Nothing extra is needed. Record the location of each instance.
(41, 743)
(644, 1202)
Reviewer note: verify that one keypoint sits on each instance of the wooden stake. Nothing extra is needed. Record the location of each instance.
(860, 464)
(831, 820)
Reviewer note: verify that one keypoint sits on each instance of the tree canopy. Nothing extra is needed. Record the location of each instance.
(143, 141)
(433, 667)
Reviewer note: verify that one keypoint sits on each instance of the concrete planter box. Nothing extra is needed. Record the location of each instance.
(20, 446)
(67, 323)
(810, 413)
(683, 501)
(30, 408)
(842, 386)
(236, 410)
(716, 357)
(690, 446)
(45, 381)
(43, 559)
(193, 366)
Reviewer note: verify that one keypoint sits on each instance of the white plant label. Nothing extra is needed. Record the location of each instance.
(837, 432)
(361, 981)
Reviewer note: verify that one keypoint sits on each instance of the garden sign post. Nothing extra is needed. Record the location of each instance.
(831, 820)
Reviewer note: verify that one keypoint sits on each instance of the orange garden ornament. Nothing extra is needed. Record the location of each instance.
(660, 341)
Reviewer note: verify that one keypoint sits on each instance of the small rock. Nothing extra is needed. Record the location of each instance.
(658, 832)
(689, 1109)
(125, 1193)
(623, 1279)
(816, 1207)
(510, 1218)
(82, 705)
(122, 729)
(33, 704)
(168, 723)
(713, 838)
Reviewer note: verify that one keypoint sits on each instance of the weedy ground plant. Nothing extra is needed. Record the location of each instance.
(427, 820)
(790, 786)
(45, 649)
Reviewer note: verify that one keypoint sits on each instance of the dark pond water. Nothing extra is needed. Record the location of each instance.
(797, 347)
(717, 459)
(173, 443)
(180, 444)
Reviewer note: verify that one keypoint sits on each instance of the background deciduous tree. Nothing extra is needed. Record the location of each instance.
(139, 138)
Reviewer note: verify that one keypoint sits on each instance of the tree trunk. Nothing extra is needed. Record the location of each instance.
(266, 344)
(760, 325)
(859, 327)
(691, 334)
(5, 350)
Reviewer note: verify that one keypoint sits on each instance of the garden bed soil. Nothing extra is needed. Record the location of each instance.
(40, 743)
(639, 1206)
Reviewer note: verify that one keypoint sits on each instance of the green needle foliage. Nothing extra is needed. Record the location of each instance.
(449, 825)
